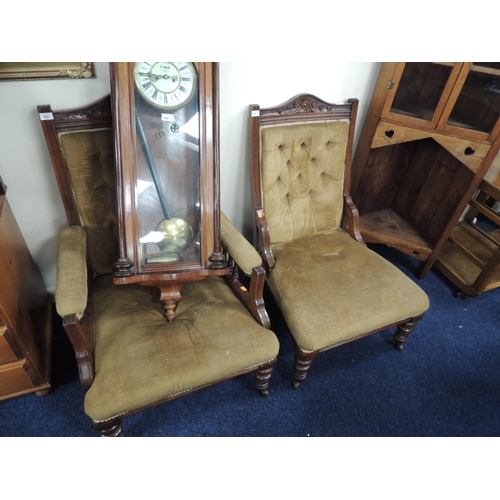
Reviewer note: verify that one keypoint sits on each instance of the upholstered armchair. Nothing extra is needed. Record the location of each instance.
(129, 356)
(330, 287)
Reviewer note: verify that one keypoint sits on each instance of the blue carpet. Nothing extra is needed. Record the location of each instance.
(445, 383)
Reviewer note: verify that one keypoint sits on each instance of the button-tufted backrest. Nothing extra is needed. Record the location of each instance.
(89, 159)
(302, 176)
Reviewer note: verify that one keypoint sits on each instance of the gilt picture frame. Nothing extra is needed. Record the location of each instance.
(25, 71)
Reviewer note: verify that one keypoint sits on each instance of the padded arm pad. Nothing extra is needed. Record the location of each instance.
(238, 247)
(71, 283)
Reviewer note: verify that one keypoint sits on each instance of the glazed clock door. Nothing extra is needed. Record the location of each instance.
(166, 135)
(167, 121)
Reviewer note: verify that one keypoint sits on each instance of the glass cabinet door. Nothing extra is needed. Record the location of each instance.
(476, 107)
(420, 91)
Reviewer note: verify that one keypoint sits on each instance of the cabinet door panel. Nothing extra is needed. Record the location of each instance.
(474, 109)
(420, 92)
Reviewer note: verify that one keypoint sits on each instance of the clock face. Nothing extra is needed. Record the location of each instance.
(166, 85)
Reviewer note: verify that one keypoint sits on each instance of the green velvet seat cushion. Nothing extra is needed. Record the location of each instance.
(331, 289)
(141, 358)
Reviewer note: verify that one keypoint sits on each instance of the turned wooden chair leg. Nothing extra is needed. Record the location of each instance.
(403, 332)
(301, 366)
(263, 377)
(110, 428)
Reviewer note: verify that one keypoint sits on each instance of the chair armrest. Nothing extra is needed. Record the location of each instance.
(249, 261)
(71, 282)
(264, 239)
(72, 299)
(351, 221)
(238, 247)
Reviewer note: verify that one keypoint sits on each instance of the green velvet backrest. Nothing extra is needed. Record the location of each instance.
(90, 160)
(302, 168)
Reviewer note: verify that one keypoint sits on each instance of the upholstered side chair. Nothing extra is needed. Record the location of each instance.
(129, 356)
(330, 287)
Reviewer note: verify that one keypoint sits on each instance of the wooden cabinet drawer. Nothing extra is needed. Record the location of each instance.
(13, 378)
(6, 353)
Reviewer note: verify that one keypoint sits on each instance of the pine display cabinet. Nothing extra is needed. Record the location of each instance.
(431, 133)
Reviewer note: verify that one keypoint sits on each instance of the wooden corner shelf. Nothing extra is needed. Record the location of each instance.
(386, 226)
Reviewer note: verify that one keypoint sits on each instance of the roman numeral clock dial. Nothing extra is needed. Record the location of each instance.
(166, 85)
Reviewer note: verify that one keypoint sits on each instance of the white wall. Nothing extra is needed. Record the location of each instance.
(267, 84)
(26, 169)
(25, 164)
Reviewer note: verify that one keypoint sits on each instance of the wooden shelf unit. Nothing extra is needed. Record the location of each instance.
(427, 142)
(470, 257)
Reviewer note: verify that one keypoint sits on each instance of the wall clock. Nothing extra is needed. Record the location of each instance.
(167, 158)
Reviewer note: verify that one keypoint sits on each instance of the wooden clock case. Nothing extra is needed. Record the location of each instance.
(168, 277)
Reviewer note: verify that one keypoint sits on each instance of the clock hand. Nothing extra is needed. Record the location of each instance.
(155, 78)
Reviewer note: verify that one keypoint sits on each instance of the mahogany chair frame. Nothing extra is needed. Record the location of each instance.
(304, 108)
(98, 115)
